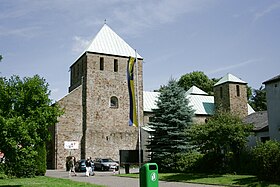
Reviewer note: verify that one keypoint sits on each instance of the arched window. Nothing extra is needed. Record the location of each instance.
(114, 103)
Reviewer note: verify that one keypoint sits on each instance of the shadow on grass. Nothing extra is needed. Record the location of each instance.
(185, 177)
(253, 182)
(248, 181)
(215, 179)
(10, 185)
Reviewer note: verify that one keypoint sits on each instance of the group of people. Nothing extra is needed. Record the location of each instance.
(89, 166)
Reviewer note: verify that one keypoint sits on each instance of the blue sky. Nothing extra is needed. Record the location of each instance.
(175, 37)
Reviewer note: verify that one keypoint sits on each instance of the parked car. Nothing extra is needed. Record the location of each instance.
(80, 165)
(105, 164)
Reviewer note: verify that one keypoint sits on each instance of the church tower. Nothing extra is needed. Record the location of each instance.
(97, 105)
(230, 95)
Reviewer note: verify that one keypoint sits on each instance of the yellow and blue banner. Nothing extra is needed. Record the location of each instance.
(132, 101)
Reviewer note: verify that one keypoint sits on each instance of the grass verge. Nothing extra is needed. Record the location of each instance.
(224, 180)
(43, 182)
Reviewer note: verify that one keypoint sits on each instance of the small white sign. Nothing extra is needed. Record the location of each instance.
(71, 144)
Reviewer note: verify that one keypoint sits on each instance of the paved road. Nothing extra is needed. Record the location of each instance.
(110, 180)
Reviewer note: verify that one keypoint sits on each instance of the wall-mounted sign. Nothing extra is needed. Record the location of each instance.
(71, 144)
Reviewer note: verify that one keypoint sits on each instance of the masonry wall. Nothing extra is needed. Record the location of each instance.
(238, 102)
(89, 117)
(69, 127)
(231, 97)
(221, 97)
(107, 130)
(77, 72)
(200, 119)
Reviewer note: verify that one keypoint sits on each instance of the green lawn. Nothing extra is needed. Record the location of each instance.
(43, 182)
(223, 180)
(227, 180)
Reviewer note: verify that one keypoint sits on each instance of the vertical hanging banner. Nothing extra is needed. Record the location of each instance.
(132, 101)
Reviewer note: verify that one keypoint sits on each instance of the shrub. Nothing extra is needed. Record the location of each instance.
(267, 158)
(41, 160)
(2, 171)
(188, 162)
(23, 164)
(181, 162)
(243, 164)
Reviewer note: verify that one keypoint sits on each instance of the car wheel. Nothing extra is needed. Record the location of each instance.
(102, 168)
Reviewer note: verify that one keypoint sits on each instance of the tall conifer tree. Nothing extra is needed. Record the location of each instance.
(172, 117)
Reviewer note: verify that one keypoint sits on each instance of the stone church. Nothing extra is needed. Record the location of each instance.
(96, 109)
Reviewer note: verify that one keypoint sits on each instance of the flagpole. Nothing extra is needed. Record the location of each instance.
(138, 110)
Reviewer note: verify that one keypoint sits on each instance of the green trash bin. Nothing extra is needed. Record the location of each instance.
(149, 175)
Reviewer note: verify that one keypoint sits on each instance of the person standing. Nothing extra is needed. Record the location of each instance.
(72, 166)
(88, 166)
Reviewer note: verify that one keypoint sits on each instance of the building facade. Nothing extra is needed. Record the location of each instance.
(96, 109)
(272, 87)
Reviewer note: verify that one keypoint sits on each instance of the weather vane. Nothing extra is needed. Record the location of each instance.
(105, 21)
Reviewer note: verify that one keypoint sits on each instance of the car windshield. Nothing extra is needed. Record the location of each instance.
(107, 160)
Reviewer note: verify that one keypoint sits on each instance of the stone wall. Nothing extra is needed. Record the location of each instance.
(231, 97)
(107, 129)
(90, 117)
(238, 102)
(69, 127)
(200, 119)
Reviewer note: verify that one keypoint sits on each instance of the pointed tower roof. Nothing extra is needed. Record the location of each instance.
(108, 42)
(195, 91)
(229, 78)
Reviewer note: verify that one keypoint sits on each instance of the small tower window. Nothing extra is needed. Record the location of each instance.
(237, 90)
(221, 92)
(114, 102)
(116, 66)
(101, 63)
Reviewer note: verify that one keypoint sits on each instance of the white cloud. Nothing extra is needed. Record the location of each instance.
(80, 44)
(141, 15)
(234, 66)
(266, 11)
(27, 32)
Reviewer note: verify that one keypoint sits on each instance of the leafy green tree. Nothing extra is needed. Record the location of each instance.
(222, 138)
(267, 160)
(172, 117)
(258, 99)
(198, 79)
(25, 115)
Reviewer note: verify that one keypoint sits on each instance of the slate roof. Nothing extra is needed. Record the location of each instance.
(229, 78)
(272, 79)
(108, 42)
(259, 120)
